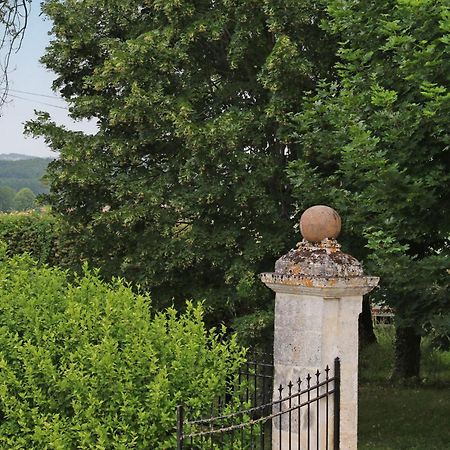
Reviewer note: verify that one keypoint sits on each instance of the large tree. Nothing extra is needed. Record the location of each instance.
(183, 188)
(376, 145)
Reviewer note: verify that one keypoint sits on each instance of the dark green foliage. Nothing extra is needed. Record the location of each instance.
(26, 173)
(33, 233)
(183, 189)
(375, 145)
(7, 198)
(256, 330)
(24, 200)
(87, 365)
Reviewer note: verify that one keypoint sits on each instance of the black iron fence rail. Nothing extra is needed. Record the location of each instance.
(255, 423)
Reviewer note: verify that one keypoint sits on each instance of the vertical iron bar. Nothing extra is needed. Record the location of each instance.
(211, 426)
(220, 411)
(247, 384)
(191, 415)
(290, 414)
(308, 378)
(264, 386)
(263, 425)
(242, 431)
(327, 377)
(279, 431)
(317, 408)
(337, 401)
(270, 429)
(232, 434)
(261, 434)
(299, 382)
(255, 385)
(180, 418)
(239, 385)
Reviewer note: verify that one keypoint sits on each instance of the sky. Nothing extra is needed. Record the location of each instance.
(27, 76)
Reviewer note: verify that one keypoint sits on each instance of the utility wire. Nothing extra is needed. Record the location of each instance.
(35, 101)
(54, 97)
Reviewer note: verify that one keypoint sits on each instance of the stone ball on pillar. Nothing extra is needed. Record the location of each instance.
(320, 222)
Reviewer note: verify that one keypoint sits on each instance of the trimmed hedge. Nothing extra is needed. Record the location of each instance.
(87, 365)
(30, 232)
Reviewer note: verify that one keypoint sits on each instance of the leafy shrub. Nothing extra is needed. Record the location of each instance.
(87, 365)
(30, 232)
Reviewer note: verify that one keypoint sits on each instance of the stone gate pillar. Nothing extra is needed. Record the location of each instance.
(318, 300)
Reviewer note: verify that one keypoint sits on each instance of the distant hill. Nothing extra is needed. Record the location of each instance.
(19, 171)
(16, 157)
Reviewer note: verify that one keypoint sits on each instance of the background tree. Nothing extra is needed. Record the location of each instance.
(6, 198)
(24, 200)
(27, 172)
(183, 189)
(375, 145)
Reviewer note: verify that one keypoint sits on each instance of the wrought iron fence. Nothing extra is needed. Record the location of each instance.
(255, 378)
(300, 415)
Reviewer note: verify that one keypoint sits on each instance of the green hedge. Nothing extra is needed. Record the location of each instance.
(30, 232)
(86, 365)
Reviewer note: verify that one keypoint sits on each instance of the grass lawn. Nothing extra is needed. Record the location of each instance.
(396, 418)
(393, 417)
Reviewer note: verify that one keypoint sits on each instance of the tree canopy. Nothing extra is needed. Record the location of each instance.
(376, 145)
(183, 189)
(201, 108)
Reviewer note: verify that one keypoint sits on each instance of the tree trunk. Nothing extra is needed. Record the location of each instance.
(366, 333)
(407, 354)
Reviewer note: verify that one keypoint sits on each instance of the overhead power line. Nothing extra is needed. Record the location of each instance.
(53, 97)
(36, 101)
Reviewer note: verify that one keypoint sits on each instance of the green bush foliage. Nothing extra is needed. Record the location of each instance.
(87, 365)
(30, 232)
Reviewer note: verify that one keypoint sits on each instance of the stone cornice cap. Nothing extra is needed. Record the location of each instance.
(322, 260)
(319, 264)
(322, 287)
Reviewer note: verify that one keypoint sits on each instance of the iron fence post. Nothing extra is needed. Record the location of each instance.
(337, 401)
(180, 419)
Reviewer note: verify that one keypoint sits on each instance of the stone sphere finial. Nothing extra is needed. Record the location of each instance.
(320, 222)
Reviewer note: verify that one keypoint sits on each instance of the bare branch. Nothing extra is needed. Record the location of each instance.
(13, 22)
